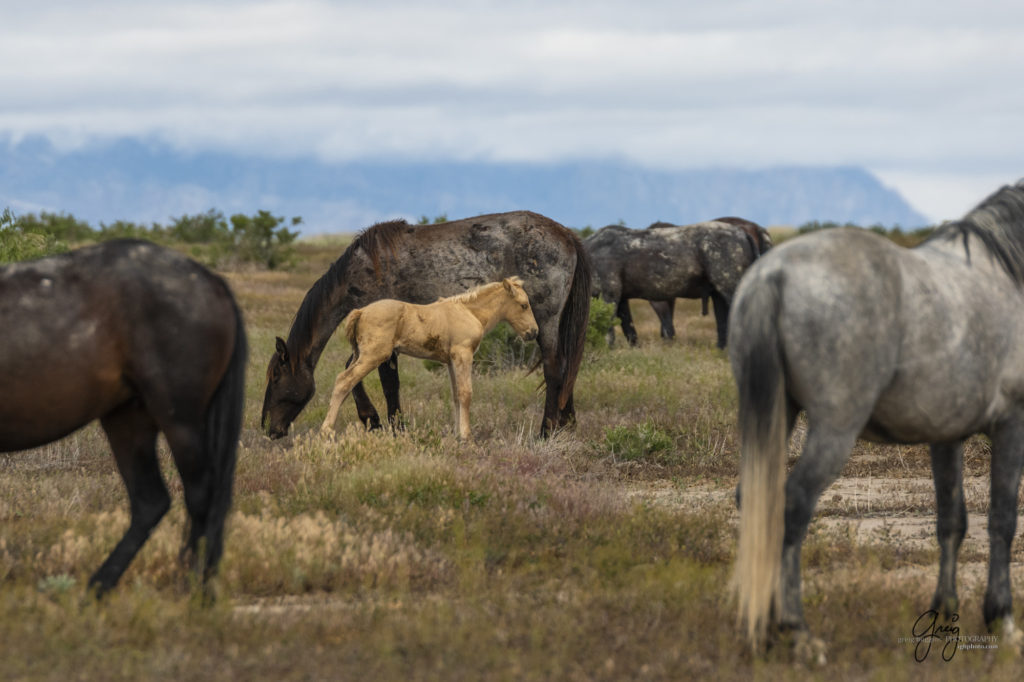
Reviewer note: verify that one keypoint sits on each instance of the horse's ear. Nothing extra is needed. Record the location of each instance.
(282, 350)
(507, 283)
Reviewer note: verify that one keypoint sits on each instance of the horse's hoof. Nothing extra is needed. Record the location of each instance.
(1011, 638)
(808, 650)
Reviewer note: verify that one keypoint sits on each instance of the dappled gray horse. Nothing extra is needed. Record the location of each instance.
(665, 263)
(665, 310)
(421, 263)
(897, 345)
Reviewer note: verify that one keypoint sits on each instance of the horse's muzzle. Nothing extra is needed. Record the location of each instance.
(530, 335)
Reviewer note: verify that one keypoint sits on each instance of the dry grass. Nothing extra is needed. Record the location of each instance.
(597, 554)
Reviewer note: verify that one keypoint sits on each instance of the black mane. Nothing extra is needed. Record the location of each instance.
(998, 223)
(376, 241)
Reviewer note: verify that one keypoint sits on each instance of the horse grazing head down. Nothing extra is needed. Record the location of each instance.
(290, 385)
(518, 311)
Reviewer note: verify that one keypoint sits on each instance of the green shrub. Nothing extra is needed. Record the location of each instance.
(261, 239)
(17, 243)
(642, 441)
(602, 318)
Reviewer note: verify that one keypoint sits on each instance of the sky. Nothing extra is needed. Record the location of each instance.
(926, 95)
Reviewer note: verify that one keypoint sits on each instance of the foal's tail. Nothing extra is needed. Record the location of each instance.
(223, 426)
(572, 327)
(756, 355)
(351, 326)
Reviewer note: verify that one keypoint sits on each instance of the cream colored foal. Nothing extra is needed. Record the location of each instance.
(448, 330)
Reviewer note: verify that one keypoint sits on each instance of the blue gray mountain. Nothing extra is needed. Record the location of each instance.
(144, 181)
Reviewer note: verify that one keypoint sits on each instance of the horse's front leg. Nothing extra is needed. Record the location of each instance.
(388, 372)
(1007, 457)
(460, 369)
(343, 385)
(626, 320)
(951, 520)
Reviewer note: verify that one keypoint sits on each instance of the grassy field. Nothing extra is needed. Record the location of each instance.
(602, 553)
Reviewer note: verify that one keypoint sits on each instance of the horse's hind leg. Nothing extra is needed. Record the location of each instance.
(951, 521)
(721, 317)
(825, 452)
(132, 435)
(193, 463)
(1007, 457)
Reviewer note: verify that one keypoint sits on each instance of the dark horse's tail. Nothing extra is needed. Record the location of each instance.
(223, 426)
(572, 327)
(759, 365)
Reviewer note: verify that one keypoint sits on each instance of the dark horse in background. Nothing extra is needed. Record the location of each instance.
(146, 341)
(665, 310)
(668, 262)
(421, 263)
(940, 360)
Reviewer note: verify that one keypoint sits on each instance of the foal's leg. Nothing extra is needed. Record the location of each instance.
(455, 396)
(1007, 457)
(132, 436)
(367, 360)
(364, 406)
(461, 371)
(948, 472)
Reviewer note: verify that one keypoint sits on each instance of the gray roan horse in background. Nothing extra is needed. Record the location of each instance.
(890, 344)
(665, 310)
(668, 262)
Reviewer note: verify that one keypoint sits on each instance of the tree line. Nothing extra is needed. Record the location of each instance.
(211, 238)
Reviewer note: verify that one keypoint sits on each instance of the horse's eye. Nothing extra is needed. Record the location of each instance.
(525, 306)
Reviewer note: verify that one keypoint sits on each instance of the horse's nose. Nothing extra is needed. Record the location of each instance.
(531, 334)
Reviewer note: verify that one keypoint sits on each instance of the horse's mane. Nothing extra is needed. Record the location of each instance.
(474, 293)
(998, 223)
(375, 241)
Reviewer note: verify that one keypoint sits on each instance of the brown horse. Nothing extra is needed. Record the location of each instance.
(448, 330)
(146, 341)
(421, 263)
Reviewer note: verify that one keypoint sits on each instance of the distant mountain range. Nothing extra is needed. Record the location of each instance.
(145, 182)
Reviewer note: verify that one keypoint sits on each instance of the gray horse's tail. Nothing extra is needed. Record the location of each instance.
(572, 327)
(758, 363)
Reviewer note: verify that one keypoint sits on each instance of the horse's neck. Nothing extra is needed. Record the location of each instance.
(309, 343)
(486, 308)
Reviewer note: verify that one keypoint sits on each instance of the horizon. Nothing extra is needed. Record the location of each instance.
(923, 100)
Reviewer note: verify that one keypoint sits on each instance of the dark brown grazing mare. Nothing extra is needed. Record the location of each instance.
(146, 341)
(665, 310)
(422, 263)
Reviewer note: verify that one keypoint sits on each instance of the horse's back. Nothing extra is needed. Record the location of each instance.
(426, 262)
(86, 330)
(870, 330)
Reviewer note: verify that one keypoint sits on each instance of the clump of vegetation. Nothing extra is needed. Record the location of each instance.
(20, 242)
(643, 441)
(261, 239)
(895, 233)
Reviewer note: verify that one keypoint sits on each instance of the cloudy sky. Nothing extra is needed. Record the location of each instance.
(927, 95)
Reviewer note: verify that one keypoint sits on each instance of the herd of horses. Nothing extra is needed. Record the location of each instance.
(866, 338)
